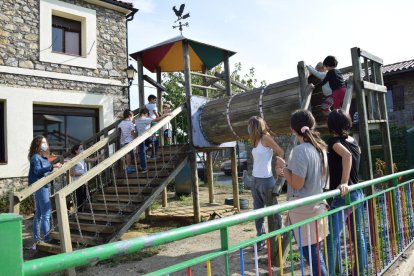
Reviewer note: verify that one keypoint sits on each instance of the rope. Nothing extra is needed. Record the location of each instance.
(261, 101)
(228, 118)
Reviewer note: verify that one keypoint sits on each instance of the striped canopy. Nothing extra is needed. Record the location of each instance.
(168, 55)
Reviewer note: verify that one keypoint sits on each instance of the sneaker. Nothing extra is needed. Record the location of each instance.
(144, 170)
(33, 247)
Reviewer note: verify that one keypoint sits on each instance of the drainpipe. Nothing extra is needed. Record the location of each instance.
(129, 17)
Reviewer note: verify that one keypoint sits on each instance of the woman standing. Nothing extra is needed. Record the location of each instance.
(263, 180)
(40, 167)
(343, 159)
(305, 177)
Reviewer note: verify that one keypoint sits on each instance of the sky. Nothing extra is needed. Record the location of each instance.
(273, 35)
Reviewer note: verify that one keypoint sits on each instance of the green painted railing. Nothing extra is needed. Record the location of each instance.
(388, 213)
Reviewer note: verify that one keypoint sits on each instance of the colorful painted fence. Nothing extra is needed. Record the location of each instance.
(379, 227)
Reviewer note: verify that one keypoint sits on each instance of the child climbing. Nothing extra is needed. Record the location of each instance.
(336, 82)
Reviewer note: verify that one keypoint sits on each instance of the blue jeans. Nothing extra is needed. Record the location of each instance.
(314, 255)
(142, 156)
(260, 187)
(335, 229)
(41, 219)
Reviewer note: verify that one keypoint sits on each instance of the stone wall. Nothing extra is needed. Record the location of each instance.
(406, 116)
(8, 184)
(19, 47)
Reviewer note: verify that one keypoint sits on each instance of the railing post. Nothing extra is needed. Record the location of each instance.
(13, 207)
(224, 236)
(64, 230)
(235, 181)
(208, 174)
(11, 255)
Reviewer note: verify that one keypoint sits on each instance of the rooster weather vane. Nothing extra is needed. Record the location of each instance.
(180, 17)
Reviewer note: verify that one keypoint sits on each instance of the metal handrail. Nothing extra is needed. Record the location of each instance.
(101, 252)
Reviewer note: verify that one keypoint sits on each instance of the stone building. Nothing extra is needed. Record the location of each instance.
(62, 74)
(399, 79)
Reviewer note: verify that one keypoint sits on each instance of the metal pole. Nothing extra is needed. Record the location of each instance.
(141, 95)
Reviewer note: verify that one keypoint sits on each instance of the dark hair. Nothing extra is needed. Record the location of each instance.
(75, 148)
(304, 118)
(127, 113)
(151, 97)
(143, 110)
(339, 123)
(35, 146)
(330, 61)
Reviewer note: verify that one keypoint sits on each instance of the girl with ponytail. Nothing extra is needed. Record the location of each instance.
(305, 175)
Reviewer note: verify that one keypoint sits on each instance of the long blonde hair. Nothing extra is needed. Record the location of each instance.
(257, 127)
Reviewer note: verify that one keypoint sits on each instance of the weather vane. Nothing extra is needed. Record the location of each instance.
(180, 17)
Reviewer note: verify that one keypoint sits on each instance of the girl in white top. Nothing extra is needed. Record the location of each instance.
(263, 180)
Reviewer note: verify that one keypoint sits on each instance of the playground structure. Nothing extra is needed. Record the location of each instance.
(116, 199)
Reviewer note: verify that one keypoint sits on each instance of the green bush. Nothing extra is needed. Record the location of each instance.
(398, 145)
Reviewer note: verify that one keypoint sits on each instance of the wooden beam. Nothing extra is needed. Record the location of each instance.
(235, 180)
(370, 56)
(205, 75)
(140, 70)
(209, 174)
(192, 151)
(373, 87)
(226, 75)
(155, 83)
(367, 171)
(203, 87)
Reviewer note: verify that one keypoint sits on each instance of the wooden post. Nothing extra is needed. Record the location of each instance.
(160, 103)
(164, 198)
(192, 152)
(204, 71)
(141, 95)
(209, 174)
(13, 206)
(303, 82)
(234, 177)
(367, 172)
(385, 130)
(64, 229)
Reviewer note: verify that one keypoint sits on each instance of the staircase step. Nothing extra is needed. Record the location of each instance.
(131, 181)
(76, 238)
(89, 227)
(49, 248)
(149, 174)
(122, 198)
(112, 207)
(101, 217)
(132, 190)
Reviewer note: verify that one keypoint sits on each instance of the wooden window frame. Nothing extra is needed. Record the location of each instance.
(3, 147)
(65, 29)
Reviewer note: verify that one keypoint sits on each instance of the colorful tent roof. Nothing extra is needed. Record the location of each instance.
(168, 55)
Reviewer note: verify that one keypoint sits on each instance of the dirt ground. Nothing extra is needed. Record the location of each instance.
(170, 254)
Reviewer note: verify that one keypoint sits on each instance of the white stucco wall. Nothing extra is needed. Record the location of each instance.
(19, 120)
